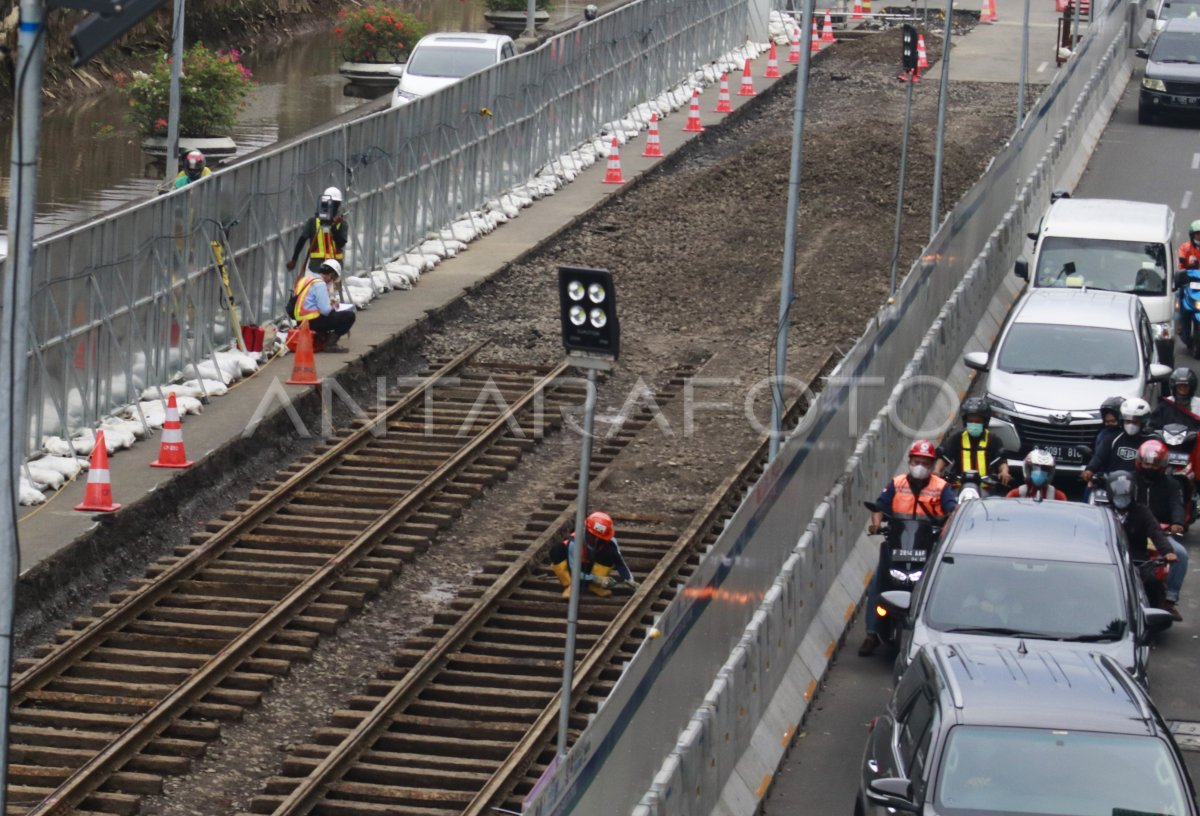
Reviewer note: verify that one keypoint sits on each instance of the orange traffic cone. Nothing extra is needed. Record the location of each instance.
(613, 174)
(653, 146)
(747, 88)
(815, 42)
(866, 6)
(97, 497)
(857, 13)
(922, 59)
(304, 370)
(772, 64)
(170, 451)
(913, 76)
(827, 29)
(724, 103)
(693, 121)
(794, 50)
(988, 13)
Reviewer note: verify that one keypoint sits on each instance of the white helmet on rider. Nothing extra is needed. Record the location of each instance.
(1038, 468)
(1133, 415)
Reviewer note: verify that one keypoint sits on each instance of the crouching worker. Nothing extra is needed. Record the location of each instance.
(600, 557)
(312, 303)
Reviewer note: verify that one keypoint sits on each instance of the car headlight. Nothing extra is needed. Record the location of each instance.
(1002, 404)
(1162, 331)
(1151, 84)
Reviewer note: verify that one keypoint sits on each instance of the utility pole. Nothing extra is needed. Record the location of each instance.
(943, 99)
(176, 75)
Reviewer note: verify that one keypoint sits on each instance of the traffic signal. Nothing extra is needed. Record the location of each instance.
(588, 310)
(98, 31)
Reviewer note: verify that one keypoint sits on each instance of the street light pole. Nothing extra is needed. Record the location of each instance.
(176, 75)
(530, 11)
(1024, 67)
(943, 100)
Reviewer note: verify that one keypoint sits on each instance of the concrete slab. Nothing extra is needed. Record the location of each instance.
(991, 52)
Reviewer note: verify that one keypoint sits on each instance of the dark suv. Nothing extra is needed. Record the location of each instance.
(1171, 81)
(988, 729)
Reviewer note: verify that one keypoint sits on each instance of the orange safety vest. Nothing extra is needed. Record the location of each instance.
(302, 287)
(980, 465)
(928, 504)
(323, 246)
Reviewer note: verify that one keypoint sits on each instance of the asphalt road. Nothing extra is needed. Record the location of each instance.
(820, 776)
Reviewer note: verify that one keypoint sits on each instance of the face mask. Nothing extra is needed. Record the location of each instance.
(918, 471)
(975, 429)
(1039, 478)
(1132, 428)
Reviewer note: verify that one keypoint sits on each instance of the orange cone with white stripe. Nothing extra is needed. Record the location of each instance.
(97, 497)
(304, 369)
(171, 453)
(794, 51)
(815, 42)
(613, 174)
(693, 121)
(827, 29)
(988, 12)
(772, 64)
(653, 145)
(747, 88)
(857, 13)
(866, 6)
(724, 103)
(922, 59)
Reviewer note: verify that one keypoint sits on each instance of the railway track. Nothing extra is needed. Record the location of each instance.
(131, 694)
(463, 723)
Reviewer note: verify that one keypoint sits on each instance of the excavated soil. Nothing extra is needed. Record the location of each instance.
(696, 251)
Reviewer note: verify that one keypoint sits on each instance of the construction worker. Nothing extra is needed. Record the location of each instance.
(311, 302)
(325, 235)
(601, 555)
(194, 169)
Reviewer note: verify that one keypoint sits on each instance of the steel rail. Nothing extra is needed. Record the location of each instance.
(72, 791)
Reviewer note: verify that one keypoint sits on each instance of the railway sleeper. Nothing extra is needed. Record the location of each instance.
(86, 687)
(399, 767)
(139, 673)
(268, 804)
(455, 780)
(30, 737)
(54, 757)
(121, 804)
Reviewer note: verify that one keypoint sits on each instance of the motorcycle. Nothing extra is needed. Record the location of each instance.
(907, 544)
(1187, 281)
(970, 484)
(1153, 572)
(1099, 493)
(1180, 441)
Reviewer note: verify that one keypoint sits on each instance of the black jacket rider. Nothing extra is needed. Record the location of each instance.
(1118, 453)
(1163, 495)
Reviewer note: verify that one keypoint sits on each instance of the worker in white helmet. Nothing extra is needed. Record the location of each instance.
(325, 235)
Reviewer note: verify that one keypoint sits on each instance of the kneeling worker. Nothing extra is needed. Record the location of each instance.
(601, 555)
(314, 305)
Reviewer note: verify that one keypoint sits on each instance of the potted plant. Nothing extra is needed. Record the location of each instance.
(510, 15)
(212, 89)
(374, 37)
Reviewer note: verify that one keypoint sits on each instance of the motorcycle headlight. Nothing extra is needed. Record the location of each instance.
(916, 576)
(1151, 84)
(1174, 438)
(898, 575)
(1162, 331)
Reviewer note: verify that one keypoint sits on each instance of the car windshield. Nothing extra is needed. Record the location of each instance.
(992, 770)
(1179, 8)
(1114, 266)
(1069, 351)
(1176, 46)
(1060, 600)
(443, 61)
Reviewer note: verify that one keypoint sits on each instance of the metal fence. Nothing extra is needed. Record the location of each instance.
(130, 299)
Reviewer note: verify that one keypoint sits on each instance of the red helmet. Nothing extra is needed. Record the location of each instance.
(601, 526)
(1152, 455)
(923, 448)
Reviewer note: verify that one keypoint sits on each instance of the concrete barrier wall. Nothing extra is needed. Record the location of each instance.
(703, 714)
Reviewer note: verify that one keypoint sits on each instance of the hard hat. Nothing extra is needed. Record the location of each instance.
(333, 265)
(333, 194)
(924, 448)
(600, 525)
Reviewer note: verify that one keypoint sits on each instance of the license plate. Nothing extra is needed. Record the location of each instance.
(1194, 286)
(1177, 458)
(1064, 454)
(910, 555)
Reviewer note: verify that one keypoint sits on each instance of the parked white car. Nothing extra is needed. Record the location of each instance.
(441, 59)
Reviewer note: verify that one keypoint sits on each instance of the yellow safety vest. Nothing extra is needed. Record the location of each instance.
(302, 286)
(979, 455)
(323, 246)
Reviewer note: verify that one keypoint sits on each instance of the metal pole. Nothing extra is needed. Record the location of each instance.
(789, 240)
(1074, 25)
(900, 191)
(14, 329)
(176, 74)
(1024, 67)
(576, 559)
(530, 11)
(943, 99)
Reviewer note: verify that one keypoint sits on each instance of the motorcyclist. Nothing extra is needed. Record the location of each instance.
(194, 168)
(919, 493)
(601, 555)
(1189, 251)
(1120, 450)
(973, 447)
(1182, 406)
(1162, 493)
(1038, 469)
(1110, 416)
(1141, 529)
(325, 234)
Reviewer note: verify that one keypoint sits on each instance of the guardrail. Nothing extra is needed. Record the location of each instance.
(127, 300)
(691, 704)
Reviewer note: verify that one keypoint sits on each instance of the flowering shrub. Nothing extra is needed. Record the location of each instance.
(212, 90)
(377, 32)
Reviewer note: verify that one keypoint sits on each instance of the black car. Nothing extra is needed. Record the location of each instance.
(1171, 82)
(1010, 570)
(990, 729)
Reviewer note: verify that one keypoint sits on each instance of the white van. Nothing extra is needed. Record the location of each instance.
(1111, 245)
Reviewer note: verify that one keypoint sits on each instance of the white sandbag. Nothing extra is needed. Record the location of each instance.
(152, 411)
(403, 276)
(379, 279)
(27, 494)
(247, 362)
(68, 466)
(44, 478)
(123, 426)
(462, 231)
(193, 388)
(57, 446)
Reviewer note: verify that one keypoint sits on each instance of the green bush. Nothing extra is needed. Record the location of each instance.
(377, 32)
(212, 90)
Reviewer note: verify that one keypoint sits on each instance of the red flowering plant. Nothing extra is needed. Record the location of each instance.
(376, 32)
(212, 90)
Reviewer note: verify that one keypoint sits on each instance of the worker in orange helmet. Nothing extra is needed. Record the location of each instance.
(600, 557)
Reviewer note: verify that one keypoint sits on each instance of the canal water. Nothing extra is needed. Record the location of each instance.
(91, 159)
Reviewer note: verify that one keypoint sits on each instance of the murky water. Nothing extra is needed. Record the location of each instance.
(91, 159)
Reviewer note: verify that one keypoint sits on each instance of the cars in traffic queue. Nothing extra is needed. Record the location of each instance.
(1171, 78)
(1061, 353)
(1111, 245)
(1018, 570)
(439, 60)
(982, 729)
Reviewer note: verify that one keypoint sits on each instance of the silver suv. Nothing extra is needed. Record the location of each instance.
(1061, 354)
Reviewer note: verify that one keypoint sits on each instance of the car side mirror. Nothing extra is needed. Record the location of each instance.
(1159, 372)
(1157, 620)
(892, 792)
(1141, 53)
(901, 599)
(1021, 268)
(978, 360)
(397, 70)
